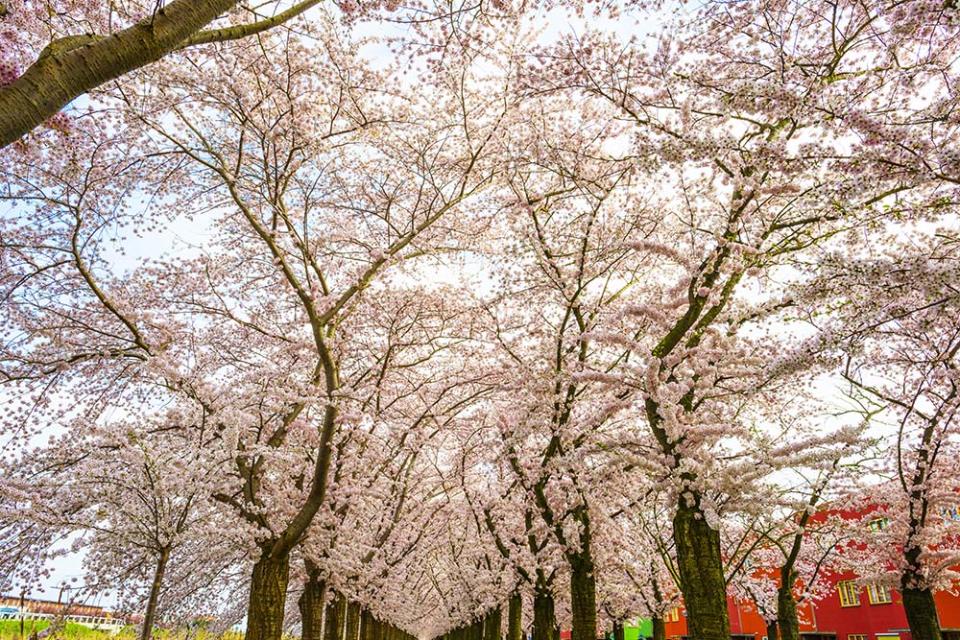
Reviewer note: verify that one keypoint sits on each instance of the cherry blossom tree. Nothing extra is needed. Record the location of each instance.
(284, 157)
(755, 150)
(895, 320)
(133, 495)
(495, 315)
(55, 52)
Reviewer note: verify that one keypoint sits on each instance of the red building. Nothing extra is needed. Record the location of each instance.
(849, 612)
(853, 612)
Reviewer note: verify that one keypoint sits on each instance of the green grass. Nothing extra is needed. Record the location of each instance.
(10, 630)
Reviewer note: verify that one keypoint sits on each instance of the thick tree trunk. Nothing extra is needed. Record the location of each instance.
(69, 67)
(701, 574)
(492, 624)
(659, 628)
(788, 624)
(515, 618)
(376, 629)
(311, 606)
(544, 617)
(366, 625)
(151, 613)
(583, 595)
(332, 625)
(268, 596)
(353, 621)
(921, 613)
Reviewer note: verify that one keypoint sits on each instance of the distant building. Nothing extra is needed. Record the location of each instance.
(51, 607)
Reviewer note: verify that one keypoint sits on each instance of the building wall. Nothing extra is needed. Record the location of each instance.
(49, 606)
(872, 620)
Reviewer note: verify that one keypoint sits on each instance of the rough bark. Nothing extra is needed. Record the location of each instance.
(544, 617)
(583, 595)
(921, 613)
(73, 65)
(492, 624)
(151, 613)
(659, 628)
(331, 620)
(788, 624)
(366, 625)
(353, 622)
(311, 606)
(515, 618)
(701, 573)
(268, 596)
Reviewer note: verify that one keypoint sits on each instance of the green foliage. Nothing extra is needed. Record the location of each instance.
(10, 630)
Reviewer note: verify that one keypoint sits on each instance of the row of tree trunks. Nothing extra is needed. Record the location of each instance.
(339, 619)
(490, 626)
(919, 604)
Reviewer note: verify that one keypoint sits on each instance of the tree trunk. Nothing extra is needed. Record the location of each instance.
(151, 613)
(492, 624)
(659, 628)
(311, 606)
(515, 618)
(476, 630)
(583, 594)
(268, 597)
(366, 625)
(331, 620)
(921, 613)
(618, 631)
(353, 621)
(772, 630)
(788, 623)
(71, 66)
(544, 617)
(701, 573)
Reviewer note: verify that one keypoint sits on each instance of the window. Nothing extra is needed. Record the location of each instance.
(879, 594)
(856, 636)
(849, 593)
(673, 615)
(879, 524)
